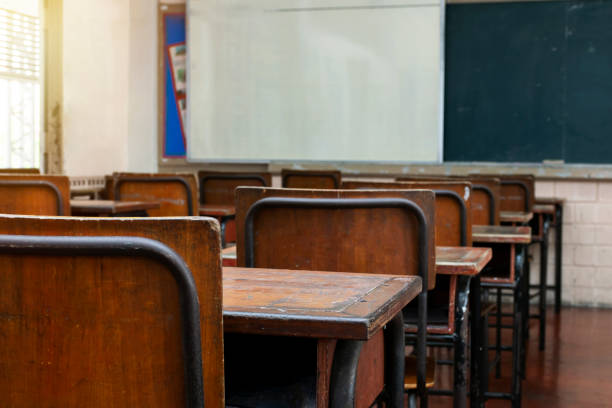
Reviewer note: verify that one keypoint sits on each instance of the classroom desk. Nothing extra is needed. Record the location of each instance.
(100, 208)
(557, 224)
(503, 234)
(466, 262)
(225, 214)
(519, 217)
(332, 309)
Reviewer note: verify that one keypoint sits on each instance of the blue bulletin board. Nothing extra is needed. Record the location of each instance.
(173, 84)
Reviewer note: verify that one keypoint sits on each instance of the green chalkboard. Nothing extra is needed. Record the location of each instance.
(529, 81)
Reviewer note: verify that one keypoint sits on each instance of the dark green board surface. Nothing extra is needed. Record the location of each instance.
(527, 82)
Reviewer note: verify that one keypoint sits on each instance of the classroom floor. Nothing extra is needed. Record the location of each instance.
(575, 370)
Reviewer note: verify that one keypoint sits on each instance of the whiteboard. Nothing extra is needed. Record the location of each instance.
(322, 80)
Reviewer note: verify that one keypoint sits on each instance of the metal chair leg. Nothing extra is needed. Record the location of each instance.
(498, 324)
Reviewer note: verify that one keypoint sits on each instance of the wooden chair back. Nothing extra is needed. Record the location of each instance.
(177, 193)
(31, 194)
(218, 187)
(485, 195)
(319, 179)
(453, 206)
(320, 230)
(517, 192)
(104, 312)
(27, 170)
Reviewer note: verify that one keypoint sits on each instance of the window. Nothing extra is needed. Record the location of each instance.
(20, 85)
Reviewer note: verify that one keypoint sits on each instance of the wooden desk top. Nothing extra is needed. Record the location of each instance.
(549, 200)
(503, 234)
(312, 304)
(515, 216)
(97, 207)
(449, 260)
(544, 208)
(218, 210)
(461, 260)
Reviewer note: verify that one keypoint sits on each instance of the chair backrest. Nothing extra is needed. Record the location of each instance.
(218, 187)
(31, 194)
(321, 179)
(104, 312)
(27, 170)
(453, 206)
(387, 232)
(517, 191)
(485, 195)
(177, 193)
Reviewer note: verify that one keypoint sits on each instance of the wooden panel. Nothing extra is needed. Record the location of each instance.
(172, 195)
(323, 179)
(520, 217)
(543, 208)
(98, 331)
(312, 304)
(34, 200)
(215, 189)
(448, 225)
(20, 171)
(501, 234)
(513, 195)
(378, 240)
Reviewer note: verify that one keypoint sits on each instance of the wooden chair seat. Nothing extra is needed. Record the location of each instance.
(410, 379)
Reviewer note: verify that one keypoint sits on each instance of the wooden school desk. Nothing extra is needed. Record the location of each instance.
(224, 213)
(509, 246)
(463, 261)
(310, 314)
(102, 208)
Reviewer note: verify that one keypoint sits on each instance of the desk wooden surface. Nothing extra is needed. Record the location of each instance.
(312, 304)
(98, 207)
(504, 234)
(217, 210)
(449, 260)
(515, 216)
(461, 260)
(544, 208)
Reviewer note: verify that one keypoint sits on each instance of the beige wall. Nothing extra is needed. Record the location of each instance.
(587, 241)
(110, 87)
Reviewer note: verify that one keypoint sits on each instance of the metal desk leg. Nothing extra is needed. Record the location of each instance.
(344, 373)
(558, 255)
(478, 359)
(395, 361)
(543, 283)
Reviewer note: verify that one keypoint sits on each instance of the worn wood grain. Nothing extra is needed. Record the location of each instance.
(102, 331)
(461, 260)
(319, 179)
(519, 217)
(34, 200)
(377, 240)
(501, 234)
(110, 207)
(172, 195)
(335, 305)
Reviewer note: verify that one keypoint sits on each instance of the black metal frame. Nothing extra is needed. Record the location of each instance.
(130, 247)
(328, 175)
(121, 179)
(359, 203)
(491, 196)
(38, 183)
(521, 184)
(207, 177)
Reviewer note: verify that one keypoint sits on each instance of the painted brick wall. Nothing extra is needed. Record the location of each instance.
(587, 241)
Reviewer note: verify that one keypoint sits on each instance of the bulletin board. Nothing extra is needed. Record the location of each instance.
(172, 82)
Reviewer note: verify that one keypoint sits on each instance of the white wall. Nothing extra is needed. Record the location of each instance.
(587, 241)
(110, 86)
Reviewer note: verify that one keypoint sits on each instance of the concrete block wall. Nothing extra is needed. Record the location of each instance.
(587, 241)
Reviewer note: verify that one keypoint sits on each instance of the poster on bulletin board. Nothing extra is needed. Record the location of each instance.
(172, 82)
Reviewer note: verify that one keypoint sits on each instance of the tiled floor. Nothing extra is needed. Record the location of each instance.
(575, 370)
